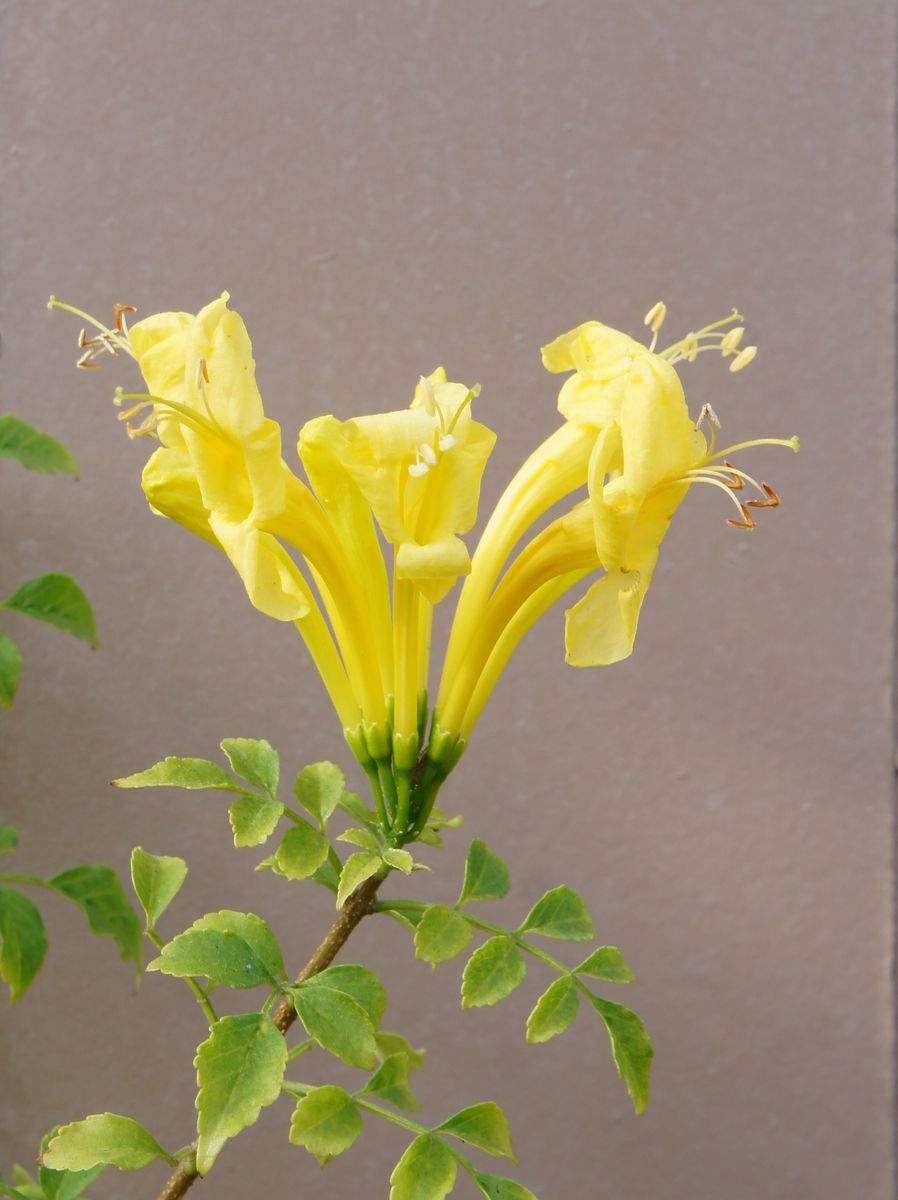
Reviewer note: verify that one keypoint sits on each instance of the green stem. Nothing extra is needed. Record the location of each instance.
(27, 881)
(377, 793)
(387, 1115)
(389, 786)
(202, 997)
(300, 1048)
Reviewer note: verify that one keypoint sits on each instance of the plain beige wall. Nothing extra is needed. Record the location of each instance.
(384, 186)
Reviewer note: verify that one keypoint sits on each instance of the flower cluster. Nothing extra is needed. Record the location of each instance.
(311, 551)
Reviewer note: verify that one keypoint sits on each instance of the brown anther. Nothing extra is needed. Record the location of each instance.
(202, 372)
(119, 321)
(771, 499)
(83, 339)
(748, 523)
(735, 482)
(84, 362)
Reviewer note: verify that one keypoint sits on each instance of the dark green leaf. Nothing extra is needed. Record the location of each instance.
(103, 1138)
(256, 761)
(58, 600)
(239, 1071)
(10, 669)
(441, 934)
(34, 450)
(319, 788)
(358, 982)
(555, 1010)
(482, 1125)
(9, 838)
(254, 819)
(630, 1046)
(157, 879)
(560, 913)
(356, 869)
(606, 963)
(494, 1187)
(425, 1172)
(390, 1082)
(23, 942)
(338, 1024)
(486, 875)
(301, 852)
(194, 773)
(492, 972)
(97, 892)
(235, 949)
(326, 1121)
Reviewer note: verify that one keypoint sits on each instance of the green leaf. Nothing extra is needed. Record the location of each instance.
(395, 1043)
(560, 913)
(157, 879)
(10, 669)
(338, 1023)
(361, 837)
(9, 838)
(482, 1125)
(492, 972)
(58, 600)
(326, 1121)
(194, 773)
(301, 852)
(23, 942)
(235, 949)
(34, 450)
(400, 860)
(425, 1172)
(327, 876)
(441, 934)
(356, 869)
(103, 1138)
(254, 819)
(66, 1185)
(256, 761)
(358, 809)
(555, 1010)
(486, 875)
(630, 1046)
(390, 1083)
(239, 1071)
(359, 983)
(97, 892)
(606, 963)
(319, 788)
(494, 1187)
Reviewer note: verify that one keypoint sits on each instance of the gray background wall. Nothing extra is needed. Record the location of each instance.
(384, 186)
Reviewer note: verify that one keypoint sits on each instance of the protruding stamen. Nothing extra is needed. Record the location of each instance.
(85, 363)
(689, 347)
(748, 521)
(735, 480)
(743, 358)
(417, 469)
(654, 318)
(729, 343)
(771, 499)
(120, 310)
(708, 414)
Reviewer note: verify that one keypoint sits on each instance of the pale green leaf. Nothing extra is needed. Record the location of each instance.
(239, 1071)
(400, 860)
(65, 1185)
(301, 852)
(356, 869)
(157, 879)
(256, 761)
(57, 600)
(9, 838)
(390, 1083)
(486, 875)
(97, 892)
(606, 963)
(254, 819)
(441, 934)
(23, 942)
(560, 913)
(338, 1023)
(358, 982)
(326, 1121)
(494, 1187)
(319, 788)
(395, 1043)
(353, 804)
(555, 1010)
(103, 1138)
(482, 1125)
(492, 972)
(193, 773)
(364, 838)
(425, 1172)
(235, 949)
(10, 670)
(34, 450)
(630, 1046)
